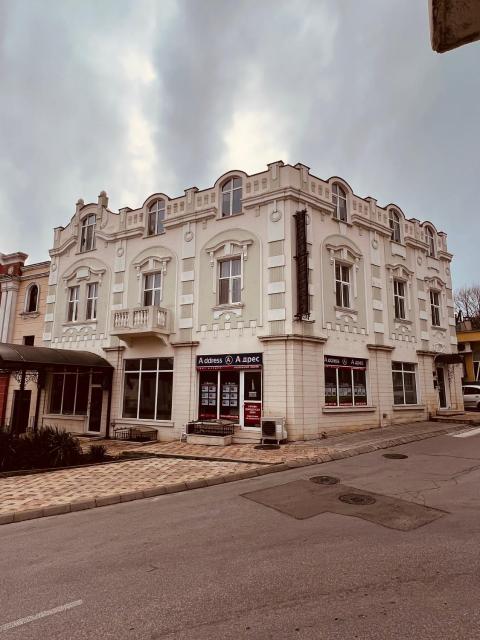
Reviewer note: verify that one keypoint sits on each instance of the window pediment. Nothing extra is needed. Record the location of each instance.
(227, 248)
(435, 283)
(83, 273)
(152, 264)
(399, 272)
(343, 253)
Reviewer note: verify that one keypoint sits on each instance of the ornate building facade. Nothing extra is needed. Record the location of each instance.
(274, 294)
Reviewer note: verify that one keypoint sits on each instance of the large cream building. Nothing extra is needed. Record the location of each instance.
(231, 303)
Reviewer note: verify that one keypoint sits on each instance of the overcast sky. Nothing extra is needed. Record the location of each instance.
(141, 96)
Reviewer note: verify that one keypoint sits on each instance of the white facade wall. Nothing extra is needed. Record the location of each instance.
(187, 253)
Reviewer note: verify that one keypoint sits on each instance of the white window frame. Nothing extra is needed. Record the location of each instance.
(156, 211)
(341, 284)
(403, 371)
(394, 223)
(153, 289)
(87, 238)
(230, 279)
(339, 195)
(228, 187)
(28, 297)
(400, 299)
(73, 303)
(435, 308)
(65, 374)
(140, 371)
(92, 300)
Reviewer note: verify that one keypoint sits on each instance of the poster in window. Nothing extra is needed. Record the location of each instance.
(252, 412)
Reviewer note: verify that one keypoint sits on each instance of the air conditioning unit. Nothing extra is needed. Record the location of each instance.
(273, 428)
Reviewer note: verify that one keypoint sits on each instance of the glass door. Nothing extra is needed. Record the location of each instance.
(252, 399)
(442, 396)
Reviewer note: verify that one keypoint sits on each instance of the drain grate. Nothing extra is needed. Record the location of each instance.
(324, 480)
(266, 447)
(356, 498)
(395, 456)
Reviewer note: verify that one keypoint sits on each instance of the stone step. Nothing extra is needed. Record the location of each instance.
(246, 437)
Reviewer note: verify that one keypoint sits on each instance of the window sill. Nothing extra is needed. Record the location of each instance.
(29, 314)
(120, 422)
(408, 407)
(226, 307)
(73, 323)
(402, 321)
(154, 235)
(233, 215)
(434, 327)
(80, 252)
(346, 310)
(63, 416)
(349, 224)
(359, 409)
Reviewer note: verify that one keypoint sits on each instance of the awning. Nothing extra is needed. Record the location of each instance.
(448, 358)
(19, 356)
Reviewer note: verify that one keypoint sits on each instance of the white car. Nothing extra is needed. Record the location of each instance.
(471, 396)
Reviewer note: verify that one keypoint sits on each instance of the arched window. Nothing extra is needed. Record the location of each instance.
(31, 299)
(232, 197)
(394, 221)
(87, 241)
(430, 241)
(156, 216)
(339, 202)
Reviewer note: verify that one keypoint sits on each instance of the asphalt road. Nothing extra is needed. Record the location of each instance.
(211, 564)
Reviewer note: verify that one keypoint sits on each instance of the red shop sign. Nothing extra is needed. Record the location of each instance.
(252, 412)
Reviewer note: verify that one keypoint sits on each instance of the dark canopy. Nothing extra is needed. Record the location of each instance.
(20, 356)
(448, 358)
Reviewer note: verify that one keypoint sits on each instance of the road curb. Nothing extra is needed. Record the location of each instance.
(189, 485)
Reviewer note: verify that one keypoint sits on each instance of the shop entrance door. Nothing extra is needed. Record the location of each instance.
(252, 399)
(21, 410)
(230, 395)
(442, 396)
(95, 412)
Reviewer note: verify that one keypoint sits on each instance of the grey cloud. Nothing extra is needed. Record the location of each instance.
(357, 88)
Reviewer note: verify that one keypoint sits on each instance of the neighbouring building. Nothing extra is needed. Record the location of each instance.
(274, 294)
(468, 336)
(23, 292)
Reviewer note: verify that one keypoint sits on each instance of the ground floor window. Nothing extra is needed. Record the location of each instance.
(231, 395)
(147, 389)
(404, 383)
(69, 393)
(345, 381)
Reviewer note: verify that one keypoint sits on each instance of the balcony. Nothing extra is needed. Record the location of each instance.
(140, 322)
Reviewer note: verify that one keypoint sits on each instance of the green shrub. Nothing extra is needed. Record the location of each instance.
(97, 452)
(42, 449)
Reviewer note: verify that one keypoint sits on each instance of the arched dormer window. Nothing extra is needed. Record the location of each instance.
(339, 198)
(430, 241)
(232, 197)
(394, 222)
(87, 240)
(156, 216)
(31, 299)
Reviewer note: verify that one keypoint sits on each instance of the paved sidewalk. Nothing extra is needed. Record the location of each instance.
(62, 491)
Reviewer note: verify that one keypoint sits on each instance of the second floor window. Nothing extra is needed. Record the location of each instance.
(152, 289)
(394, 222)
(339, 198)
(87, 241)
(229, 281)
(399, 299)
(232, 197)
(73, 299)
(435, 307)
(156, 216)
(31, 303)
(92, 298)
(342, 285)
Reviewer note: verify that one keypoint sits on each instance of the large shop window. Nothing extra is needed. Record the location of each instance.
(69, 393)
(404, 383)
(230, 388)
(345, 382)
(147, 389)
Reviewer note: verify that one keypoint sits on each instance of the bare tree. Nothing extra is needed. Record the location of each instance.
(467, 303)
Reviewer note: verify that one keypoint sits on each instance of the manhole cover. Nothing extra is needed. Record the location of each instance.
(395, 456)
(356, 498)
(324, 480)
(267, 446)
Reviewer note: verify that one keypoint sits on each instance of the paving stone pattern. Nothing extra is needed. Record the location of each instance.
(55, 492)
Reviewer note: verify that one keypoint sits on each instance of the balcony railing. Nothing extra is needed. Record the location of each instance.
(140, 321)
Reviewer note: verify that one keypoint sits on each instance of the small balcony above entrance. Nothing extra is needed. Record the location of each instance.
(140, 322)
